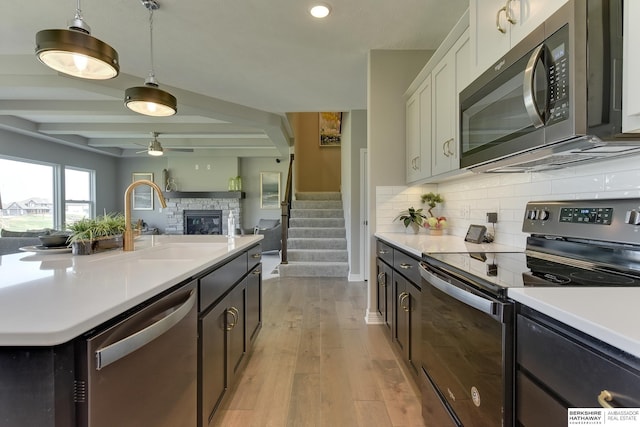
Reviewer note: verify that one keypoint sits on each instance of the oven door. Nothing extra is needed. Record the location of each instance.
(467, 351)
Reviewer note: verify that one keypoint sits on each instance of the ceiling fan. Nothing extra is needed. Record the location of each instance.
(156, 149)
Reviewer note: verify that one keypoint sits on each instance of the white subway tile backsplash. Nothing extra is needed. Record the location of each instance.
(508, 194)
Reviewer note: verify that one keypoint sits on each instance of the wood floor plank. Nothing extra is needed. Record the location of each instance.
(316, 363)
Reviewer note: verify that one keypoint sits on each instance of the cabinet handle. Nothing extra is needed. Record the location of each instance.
(234, 313)
(405, 266)
(256, 255)
(507, 12)
(502, 9)
(401, 299)
(381, 280)
(383, 252)
(256, 272)
(446, 148)
(604, 398)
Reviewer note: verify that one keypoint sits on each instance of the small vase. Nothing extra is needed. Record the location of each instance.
(435, 231)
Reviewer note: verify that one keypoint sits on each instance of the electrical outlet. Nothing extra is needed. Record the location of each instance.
(492, 217)
(466, 212)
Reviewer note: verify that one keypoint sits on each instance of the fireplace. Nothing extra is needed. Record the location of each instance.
(202, 221)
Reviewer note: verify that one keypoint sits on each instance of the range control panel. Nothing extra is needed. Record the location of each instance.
(611, 220)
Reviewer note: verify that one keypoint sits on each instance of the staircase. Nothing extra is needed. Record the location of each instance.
(317, 243)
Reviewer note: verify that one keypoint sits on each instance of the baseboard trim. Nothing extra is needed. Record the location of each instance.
(373, 318)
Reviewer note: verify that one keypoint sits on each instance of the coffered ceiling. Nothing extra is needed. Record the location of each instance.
(235, 66)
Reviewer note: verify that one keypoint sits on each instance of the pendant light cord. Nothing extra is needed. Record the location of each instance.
(151, 73)
(78, 10)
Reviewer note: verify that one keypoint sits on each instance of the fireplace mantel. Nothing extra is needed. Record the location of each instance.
(203, 194)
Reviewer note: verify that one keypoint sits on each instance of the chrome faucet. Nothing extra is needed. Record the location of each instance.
(127, 237)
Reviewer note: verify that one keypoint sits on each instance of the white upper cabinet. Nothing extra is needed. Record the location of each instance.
(631, 68)
(418, 144)
(449, 77)
(498, 25)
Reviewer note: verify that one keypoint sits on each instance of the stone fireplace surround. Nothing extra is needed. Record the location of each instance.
(177, 202)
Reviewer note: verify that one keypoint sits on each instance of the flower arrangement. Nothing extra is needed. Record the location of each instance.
(433, 222)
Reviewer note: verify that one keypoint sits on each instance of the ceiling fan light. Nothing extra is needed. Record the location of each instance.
(150, 101)
(76, 53)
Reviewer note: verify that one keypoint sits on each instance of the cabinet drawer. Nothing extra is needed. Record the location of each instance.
(255, 256)
(574, 368)
(384, 252)
(407, 265)
(535, 407)
(219, 281)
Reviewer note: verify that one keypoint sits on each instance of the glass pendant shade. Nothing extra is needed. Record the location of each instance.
(77, 54)
(150, 101)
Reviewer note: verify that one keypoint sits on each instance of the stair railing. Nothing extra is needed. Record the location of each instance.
(285, 206)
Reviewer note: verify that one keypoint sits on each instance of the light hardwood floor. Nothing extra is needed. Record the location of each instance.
(316, 363)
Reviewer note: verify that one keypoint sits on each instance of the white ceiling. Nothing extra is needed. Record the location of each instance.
(235, 66)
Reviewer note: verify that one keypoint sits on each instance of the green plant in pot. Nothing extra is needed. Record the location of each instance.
(412, 219)
(89, 235)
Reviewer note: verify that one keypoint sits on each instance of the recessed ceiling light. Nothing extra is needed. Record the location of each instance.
(320, 11)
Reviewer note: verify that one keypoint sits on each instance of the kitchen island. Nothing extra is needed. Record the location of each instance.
(53, 304)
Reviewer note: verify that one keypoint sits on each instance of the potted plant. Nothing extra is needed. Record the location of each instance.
(433, 224)
(412, 219)
(95, 235)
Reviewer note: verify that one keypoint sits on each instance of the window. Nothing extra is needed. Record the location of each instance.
(32, 197)
(78, 190)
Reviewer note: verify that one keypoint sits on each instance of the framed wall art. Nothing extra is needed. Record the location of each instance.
(142, 194)
(330, 129)
(270, 190)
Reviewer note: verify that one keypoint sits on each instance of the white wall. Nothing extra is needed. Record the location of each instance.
(507, 194)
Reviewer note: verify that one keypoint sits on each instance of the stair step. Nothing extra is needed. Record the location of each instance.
(316, 232)
(317, 255)
(315, 222)
(317, 213)
(317, 243)
(322, 195)
(316, 204)
(314, 269)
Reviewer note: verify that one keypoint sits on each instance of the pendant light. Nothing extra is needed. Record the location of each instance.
(75, 52)
(149, 99)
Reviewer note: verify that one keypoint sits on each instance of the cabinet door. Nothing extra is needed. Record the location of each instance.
(414, 314)
(412, 142)
(488, 44)
(383, 278)
(443, 115)
(529, 14)
(236, 329)
(401, 309)
(254, 303)
(212, 359)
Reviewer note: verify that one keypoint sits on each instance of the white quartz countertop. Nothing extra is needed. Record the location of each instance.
(51, 298)
(610, 314)
(417, 244)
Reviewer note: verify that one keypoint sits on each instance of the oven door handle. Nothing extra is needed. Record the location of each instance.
(479, 303)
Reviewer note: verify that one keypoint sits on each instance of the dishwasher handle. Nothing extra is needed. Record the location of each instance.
(119, 349)
(479, 303)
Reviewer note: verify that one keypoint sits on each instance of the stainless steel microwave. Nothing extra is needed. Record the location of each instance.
(554, 100)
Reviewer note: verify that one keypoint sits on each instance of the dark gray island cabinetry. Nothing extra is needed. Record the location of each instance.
(136, 347)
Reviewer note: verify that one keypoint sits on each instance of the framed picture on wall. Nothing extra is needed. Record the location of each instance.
(270, 190)
(142, 194)
(330, 125)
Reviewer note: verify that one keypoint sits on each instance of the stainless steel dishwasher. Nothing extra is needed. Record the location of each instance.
(142, 370)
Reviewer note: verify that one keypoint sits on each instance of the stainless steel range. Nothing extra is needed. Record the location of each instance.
(467, 319)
